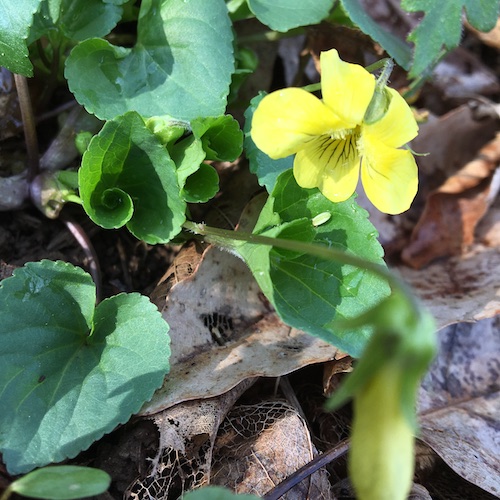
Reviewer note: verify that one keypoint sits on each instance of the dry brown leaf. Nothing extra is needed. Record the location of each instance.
(184, 457)
(460, 403)
(223, 331)
(452, 212)
(491, 38)
(260, 445)
(465, 288)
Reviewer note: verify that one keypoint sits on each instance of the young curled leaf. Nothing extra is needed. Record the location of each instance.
(128, 178)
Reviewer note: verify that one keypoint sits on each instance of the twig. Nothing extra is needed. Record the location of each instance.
(28, 125)
(307, 470)
(84, 241)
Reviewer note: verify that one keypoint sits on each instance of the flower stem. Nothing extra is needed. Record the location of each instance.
(226, 239)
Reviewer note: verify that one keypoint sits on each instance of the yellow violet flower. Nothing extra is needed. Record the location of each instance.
(335, 138)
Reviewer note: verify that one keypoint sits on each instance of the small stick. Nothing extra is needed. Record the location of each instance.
(307, 470)
(29, 125)
(84, 241)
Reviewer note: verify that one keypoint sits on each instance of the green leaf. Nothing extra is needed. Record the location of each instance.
(187, 155)
(283, 15)
(201, 186)
(77, 19)
(62, 482)
(216, 493)
(180, 66)
(395, 47)
(16, 19)
(69, 371)
(308, 292)
(220, 136)
(266, 169)
(441, 27)
(127, 177)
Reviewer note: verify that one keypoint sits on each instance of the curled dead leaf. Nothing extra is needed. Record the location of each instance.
(453, 211)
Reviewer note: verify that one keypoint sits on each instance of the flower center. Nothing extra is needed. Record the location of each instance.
(340, 148)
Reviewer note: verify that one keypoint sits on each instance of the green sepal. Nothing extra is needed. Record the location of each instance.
(404, 337)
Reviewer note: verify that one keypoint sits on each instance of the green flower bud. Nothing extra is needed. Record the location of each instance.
(381, 456)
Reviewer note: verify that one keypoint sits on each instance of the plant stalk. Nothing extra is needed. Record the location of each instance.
(29, 125)
(226, 239)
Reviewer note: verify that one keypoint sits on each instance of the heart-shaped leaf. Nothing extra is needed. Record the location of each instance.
(180, 66)
(309, 292)
(69, 371)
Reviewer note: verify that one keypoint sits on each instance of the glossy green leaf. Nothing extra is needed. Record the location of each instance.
(309, 292)
(216, 493)
(70, 371)
(180, 66)
(266, 169)
(77, 19)
(62, 482)
(395, 47)
(283, 15)
(187, 155)
(220, 137)
(128, 178)
(441, 26)
(202, 185)
(16, 19)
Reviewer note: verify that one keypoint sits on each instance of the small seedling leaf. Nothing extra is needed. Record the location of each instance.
(62, 482)
(69, 371)
(216, 493)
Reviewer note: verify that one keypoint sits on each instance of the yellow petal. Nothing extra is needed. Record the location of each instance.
(286, 120)
(346, 88)
(330, 165)
(397, 126)
(389, 176)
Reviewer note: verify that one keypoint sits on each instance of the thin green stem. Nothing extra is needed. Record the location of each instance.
(29, 125)
(225, 239)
